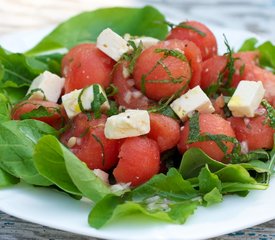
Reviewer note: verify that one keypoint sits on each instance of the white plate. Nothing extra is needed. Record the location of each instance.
(57, 210)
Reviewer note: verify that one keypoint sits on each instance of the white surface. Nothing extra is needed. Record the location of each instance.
(57, 210)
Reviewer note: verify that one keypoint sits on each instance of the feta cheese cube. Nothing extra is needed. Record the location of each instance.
(48, 86)
(194, 99)
(130, 123)
(71, 100)
(246, 98)
(146, 41)
(112, 44)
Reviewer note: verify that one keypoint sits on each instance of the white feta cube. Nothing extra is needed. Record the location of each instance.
(146, 41)
(194, 99)
(130, 123)
(48, 85)
(112, 44)
(246, 98)
(85, 97)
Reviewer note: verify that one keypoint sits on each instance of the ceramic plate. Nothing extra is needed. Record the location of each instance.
(57, 210)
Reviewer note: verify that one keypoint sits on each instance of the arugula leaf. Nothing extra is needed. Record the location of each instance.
(266, 49)
(86, 27)
(7, 179)
(171, 186)
(193, 160)
(165, 197)
(208, 181)
(62, 167)
(17, 141)
(213, 197)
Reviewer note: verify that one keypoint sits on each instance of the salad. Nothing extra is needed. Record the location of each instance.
(138, 116)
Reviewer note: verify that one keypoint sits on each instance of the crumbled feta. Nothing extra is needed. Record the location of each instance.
(71, 100)
(112, 44)
(194, 99)
(130, 123)
(246, 98)
(146, 41)
(48, 86)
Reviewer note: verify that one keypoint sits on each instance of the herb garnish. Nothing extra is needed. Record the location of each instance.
(102, 147)
(186, 26)
(166, 53)
(132, 56)
(270, 113)
(222, 86)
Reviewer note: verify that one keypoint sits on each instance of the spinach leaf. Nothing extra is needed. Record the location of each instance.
(194, 160)
(86, 27)
(17, 141)
(62, 167)
(7, 179)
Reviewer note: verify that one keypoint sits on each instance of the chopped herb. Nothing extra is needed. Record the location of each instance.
(186, 26)
(194, 29)
(270, 113)
(222, 86)
(172, 52)
(111, 90)
(194, 131)
(163, 104)
(166, 53)
(102, 147)
(219, 139)
(34, 91)
(113, 109)
(230, 64)
(98, 100)
(39, 112)
(132, 57)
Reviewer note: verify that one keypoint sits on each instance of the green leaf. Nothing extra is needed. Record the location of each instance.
(49, 161)
(213, 197)
(17, 70)
(266, 49)
(194, 160)
(235, 173)
(170, 186)
(4, 108)
(208, 181)
(113, 208)
(86, 27)
(17, 141)
(7, 179)
(249, 45)
(63, 168)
